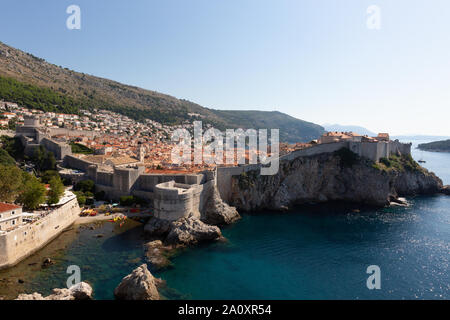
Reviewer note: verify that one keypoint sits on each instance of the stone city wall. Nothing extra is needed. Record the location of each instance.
(20, 243)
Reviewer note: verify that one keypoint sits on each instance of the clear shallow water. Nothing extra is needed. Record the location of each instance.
(315, 252)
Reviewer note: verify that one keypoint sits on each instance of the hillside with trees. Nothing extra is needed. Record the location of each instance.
(32, 82)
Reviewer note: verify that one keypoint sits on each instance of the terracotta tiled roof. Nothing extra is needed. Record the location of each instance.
(7, 207)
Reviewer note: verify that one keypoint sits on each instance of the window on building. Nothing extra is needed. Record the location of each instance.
(13, 222)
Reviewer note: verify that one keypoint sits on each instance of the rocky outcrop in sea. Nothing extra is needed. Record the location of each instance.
(166, 236)
(217, 212)
(139, 285)
(339, 176)
(80, 291)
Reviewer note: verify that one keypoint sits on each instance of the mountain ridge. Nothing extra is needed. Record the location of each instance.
(34, 82)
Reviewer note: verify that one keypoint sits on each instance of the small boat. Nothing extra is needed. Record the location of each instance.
(421, 161)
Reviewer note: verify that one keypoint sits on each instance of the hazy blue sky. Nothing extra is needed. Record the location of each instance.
(315, 60)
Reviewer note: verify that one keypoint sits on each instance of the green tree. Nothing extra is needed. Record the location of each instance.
(10, 183)
(12, 124)
(6, 159)
(13, 146)
(33, 194)
(56, 190)
(85, 186)
(48, 175)
(81, 198)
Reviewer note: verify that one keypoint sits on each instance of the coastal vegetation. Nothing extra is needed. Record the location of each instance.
(438, 146)
(400, 163)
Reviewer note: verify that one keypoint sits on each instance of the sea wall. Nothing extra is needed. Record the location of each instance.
(18, 244)
(173, 201)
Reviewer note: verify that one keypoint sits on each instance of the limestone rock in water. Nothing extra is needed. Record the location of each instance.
(446, 190)
(139, 285)
(188, 231)
(157, 253)
(217, 212)
(80, 291)
(47, 262)
(157, 227)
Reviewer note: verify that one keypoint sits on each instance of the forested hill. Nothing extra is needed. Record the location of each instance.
(35, 83)
(438, 146)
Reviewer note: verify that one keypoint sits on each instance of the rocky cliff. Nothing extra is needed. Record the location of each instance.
(338, 176)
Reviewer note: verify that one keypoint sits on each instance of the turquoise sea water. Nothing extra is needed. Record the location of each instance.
(312, 252)
(322, 252)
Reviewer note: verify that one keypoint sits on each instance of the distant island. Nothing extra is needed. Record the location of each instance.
(436, 146)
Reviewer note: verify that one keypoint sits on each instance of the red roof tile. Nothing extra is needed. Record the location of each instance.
(7, 207)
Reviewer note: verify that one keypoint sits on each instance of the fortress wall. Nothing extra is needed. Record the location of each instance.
(224, 174)
(60, 150)
(171, 202)
(315, 149)
(76, 163)
(150, 196)
(111, 193)
(18, 244)
(104, 178)
(398, 147)
(147, 181)
(73, 133)
(26, 131)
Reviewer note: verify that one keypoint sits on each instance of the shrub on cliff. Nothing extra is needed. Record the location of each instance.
(247, 179)
(398, 163)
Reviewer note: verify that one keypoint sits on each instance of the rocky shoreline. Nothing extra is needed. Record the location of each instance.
(321, 178)
(339, 176)
(165, 237)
